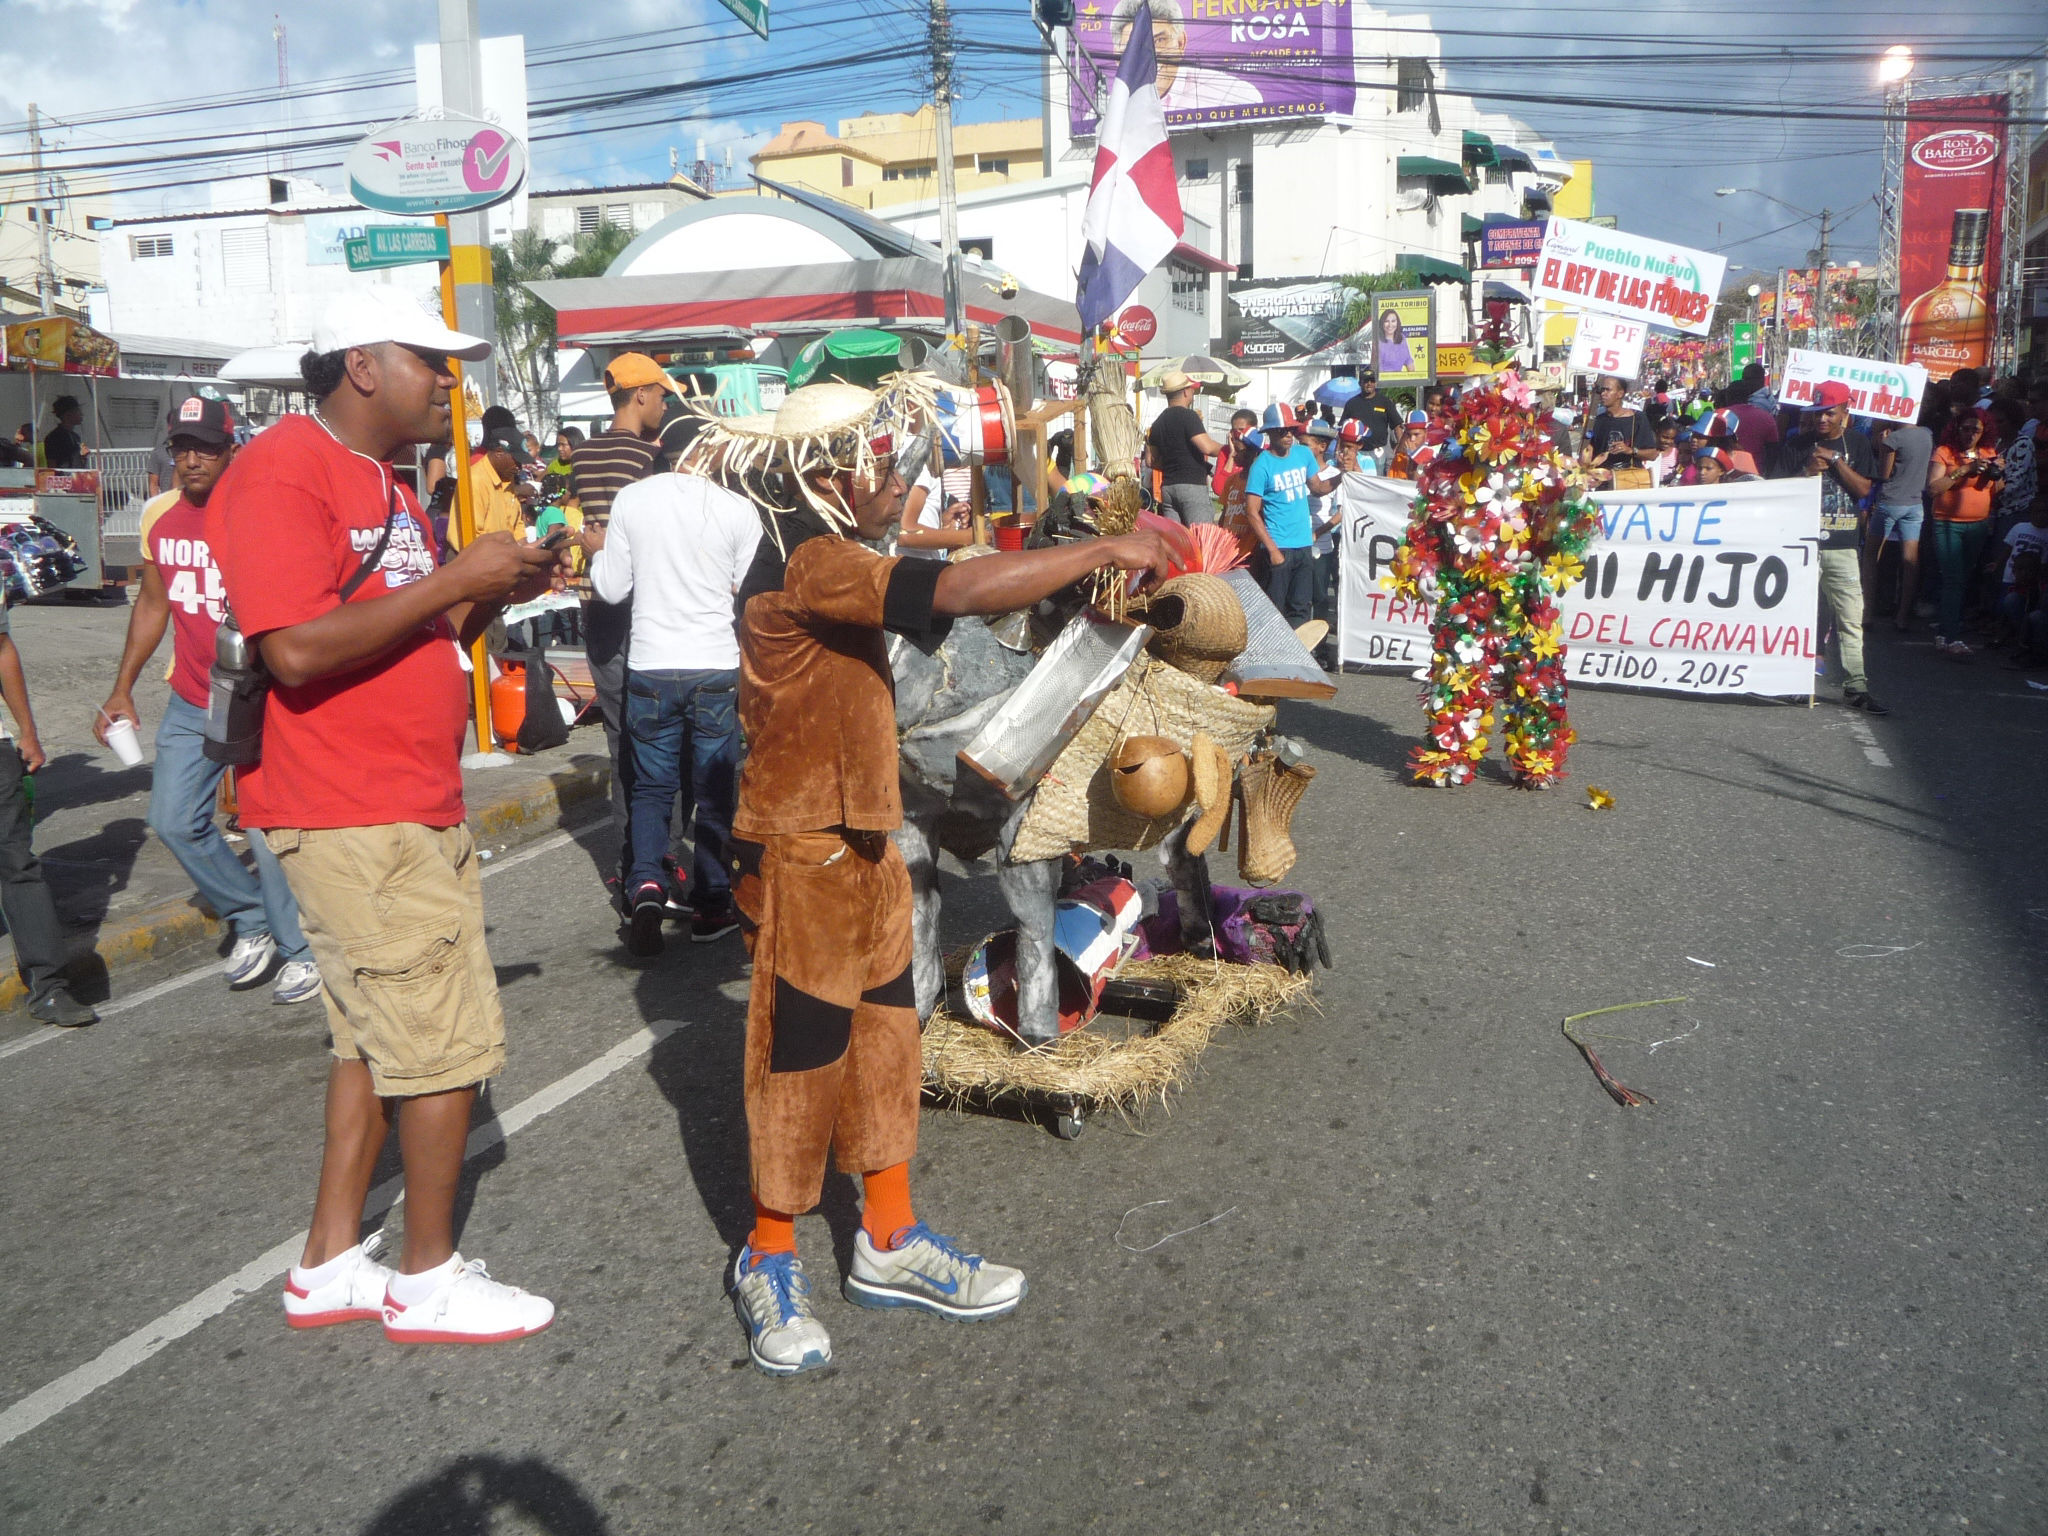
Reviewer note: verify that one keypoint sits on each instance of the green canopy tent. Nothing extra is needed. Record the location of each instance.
(858, 356)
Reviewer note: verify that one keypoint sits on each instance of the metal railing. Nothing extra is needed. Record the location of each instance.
(124, 487)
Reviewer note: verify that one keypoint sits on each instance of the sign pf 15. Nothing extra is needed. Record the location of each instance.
(1605, 344)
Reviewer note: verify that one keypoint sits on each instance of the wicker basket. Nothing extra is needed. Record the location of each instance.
(1074, 808)
(1207, 629)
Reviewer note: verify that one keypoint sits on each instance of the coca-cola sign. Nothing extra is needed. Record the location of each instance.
(1960, 149)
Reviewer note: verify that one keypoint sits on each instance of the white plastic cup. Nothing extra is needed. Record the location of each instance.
(126, 744)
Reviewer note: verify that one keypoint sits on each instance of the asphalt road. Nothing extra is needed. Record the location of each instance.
(1444, 1283)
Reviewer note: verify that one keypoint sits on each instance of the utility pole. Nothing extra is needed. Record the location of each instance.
(468, 233)
(1820, 299)
(284, 80)
(46, 274)
(941, 28)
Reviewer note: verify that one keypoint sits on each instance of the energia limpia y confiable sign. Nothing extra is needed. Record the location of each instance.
(1690, 589)
(1586, 267)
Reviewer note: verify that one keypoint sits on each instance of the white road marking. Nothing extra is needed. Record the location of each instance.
(110, 1009)
(1866, 738)
(118, 1359)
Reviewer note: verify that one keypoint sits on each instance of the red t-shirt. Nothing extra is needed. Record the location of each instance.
(290, 523)
(174, 541)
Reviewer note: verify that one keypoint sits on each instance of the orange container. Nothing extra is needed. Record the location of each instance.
(508, 704)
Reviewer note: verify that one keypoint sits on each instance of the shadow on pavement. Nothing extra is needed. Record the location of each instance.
(476, 1495)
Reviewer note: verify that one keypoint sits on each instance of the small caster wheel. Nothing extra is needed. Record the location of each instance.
(1068, 1124)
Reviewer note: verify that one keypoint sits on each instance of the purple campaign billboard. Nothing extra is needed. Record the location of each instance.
(1221, 61)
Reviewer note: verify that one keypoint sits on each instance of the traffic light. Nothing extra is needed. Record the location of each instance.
(1054, 13)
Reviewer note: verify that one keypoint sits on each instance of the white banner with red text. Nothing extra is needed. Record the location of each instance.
(1690, 589)
(1888, 391)
(1586, 267)
(1610, 345)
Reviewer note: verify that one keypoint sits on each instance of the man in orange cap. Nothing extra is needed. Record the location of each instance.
(605, 465)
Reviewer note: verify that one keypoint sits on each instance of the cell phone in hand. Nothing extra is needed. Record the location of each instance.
(557, 537)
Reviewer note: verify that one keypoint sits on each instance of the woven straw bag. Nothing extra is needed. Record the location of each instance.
(1075, 809)
(1198, 625)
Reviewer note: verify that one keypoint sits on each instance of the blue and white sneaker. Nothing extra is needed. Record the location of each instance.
(773, 1299)
(249, 961)
(298, 981)
(930, 1272)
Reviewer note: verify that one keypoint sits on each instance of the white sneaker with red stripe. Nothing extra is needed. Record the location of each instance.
(354, 1295)
(467, 1307)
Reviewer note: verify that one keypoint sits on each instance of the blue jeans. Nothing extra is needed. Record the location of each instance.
(1958, 551)
(182, 792)
(670, 716)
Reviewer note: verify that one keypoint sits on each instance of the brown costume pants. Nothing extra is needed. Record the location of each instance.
(833, 1059)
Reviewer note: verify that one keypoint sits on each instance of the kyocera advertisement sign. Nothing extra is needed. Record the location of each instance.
(443, 164)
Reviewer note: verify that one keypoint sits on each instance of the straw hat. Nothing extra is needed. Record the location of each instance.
(1198, 625)
(829, 429)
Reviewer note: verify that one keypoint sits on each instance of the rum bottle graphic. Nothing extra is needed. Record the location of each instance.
(1949, 326)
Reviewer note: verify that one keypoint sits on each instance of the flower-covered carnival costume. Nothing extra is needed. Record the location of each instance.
(1497, 534)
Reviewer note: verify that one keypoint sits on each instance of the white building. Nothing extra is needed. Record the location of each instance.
(1405, 180)
(255, 268)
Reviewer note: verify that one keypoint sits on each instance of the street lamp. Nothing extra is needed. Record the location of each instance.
(1895, 64)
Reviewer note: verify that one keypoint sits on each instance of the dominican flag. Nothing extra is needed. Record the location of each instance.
(1133, 219)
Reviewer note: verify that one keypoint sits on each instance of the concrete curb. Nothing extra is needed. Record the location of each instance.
(184, 924)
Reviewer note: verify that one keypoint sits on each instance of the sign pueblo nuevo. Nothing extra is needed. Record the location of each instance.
(1888, 391)
(447, 163)
(1587, 267)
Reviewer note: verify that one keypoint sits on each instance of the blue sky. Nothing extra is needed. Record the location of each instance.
(87, 58)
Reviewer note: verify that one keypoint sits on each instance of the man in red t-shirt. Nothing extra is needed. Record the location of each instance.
(181, 589)
(332, 573)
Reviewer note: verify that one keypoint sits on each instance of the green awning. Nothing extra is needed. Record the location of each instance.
(1478, 148)
(1509, 158)
(1431, 269)
(854, 356)
(1470, 228)
(1443, 177)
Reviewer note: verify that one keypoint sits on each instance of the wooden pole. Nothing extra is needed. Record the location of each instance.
(465, 511)
(978, 491)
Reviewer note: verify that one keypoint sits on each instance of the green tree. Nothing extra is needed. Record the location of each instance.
(1362, 286)
(526, 326)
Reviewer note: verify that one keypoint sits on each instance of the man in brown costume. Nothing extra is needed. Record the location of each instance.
(832, 1050)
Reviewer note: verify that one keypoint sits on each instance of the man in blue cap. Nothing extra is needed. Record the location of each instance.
(1276, 493)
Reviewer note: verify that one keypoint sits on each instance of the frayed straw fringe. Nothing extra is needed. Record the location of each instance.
(738, 450)
(967, 1064)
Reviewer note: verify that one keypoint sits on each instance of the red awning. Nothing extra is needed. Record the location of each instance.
(1188, 256)
(881, 292)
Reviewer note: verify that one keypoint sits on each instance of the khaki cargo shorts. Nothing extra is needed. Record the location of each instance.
(395, 918)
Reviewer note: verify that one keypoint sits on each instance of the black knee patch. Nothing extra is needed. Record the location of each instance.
(901, 992)
(809, 1032)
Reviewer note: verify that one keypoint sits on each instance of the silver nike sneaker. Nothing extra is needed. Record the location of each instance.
(930, 1272)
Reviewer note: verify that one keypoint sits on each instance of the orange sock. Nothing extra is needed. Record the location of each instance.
(886, 1209)
(774, 1232)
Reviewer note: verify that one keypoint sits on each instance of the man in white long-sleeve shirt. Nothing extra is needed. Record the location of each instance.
(678, 546)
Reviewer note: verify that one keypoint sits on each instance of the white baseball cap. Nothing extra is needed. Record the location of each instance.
(382, 313)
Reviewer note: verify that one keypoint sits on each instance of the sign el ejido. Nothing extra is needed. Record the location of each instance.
(395, 245)
(1886, 391)
(450, 163)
